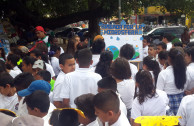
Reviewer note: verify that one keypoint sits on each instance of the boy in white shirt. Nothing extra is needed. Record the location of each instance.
(146, 42)
(166, 39)
(27, 64)
(8, 97)
(81, 81)
(86, 105)
(108, 83)
(127, 51)
(67, 65)
(107, 109)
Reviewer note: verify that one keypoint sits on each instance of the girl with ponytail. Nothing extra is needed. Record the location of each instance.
(173, 79)
(104, 63)
(150, 64)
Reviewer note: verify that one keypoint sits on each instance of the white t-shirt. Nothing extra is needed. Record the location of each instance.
(15, 71)
(190, 70)
(55, 65)
(22, 109)
(133, 70)
(81, 81)
(58, 85)
(166, 81)
(169, 46)
(186, 111)
(9, 102)
(122, 121)
(95, 59)
(94, 123)
(155, 106)
(47, 117)
(49, 68)
(126, 89)
(123, 107)
(145, 51)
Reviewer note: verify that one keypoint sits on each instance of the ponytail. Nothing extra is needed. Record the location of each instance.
(179, 67)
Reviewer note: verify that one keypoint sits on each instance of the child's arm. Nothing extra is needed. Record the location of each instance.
(66, 103)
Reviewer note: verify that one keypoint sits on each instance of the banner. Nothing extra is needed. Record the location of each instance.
(115, 36)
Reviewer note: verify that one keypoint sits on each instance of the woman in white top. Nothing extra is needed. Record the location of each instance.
(172, 80)
(121, 72)
(54, 58)
(13, 61)
(189, 58)
(150, 64)
(149, 101)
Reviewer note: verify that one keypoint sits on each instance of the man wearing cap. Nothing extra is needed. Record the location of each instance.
(34, 86)
(41, 34)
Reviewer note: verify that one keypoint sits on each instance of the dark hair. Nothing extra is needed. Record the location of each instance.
(190, 44)
(147, 38)
(146, 87)
(45, 75)
(68, 117)
(178, 44)
(152, 65)
(2, 66)
(84, 57)
(163, 55)
(190, 52)
(6, 78)
(37, 52)
(44, 51)
(71, 47)
(23, 80)
(22, 42)
(108, 83)
(103, 66)
(120, 69)
(107, 101)
(38, 99)
(2, 53)
(13, 58)
(162, 44)
(53, 49)
(86, 105)
(127, 51)
(81, 45)
(54, 117)
(63, 57)
(167, 36)
(153, 46)
(18, 52)
(179, 67)
(29, 60)
(98, 46)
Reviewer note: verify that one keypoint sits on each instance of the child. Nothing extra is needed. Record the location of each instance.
(2, 54)
(121, 72)
(54, 55)
(43, 75)
(13, 60)
(38, 66)
(152, 50)
(189, 58)
(27, 64)
(67, 65)
(166, 39)
(86, 105)
(107, 109)
(81, 81)
(8, 97)
(103, 66)
(172, 80)
(162, 58)
(127, 51)
(161, 47)
(97, 47)
(37, 54)
(151, 65)
(146, 42)
(72, 46)
(108, 83)
(149, 101)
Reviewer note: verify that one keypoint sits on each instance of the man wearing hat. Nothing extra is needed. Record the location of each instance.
(41, 34)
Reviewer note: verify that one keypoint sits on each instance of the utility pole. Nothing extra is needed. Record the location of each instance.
(119, 11)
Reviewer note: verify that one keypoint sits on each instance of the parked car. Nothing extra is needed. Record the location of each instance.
(67, 31)
(158, 32)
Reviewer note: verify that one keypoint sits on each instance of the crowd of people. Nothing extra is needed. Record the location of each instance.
(83, 86)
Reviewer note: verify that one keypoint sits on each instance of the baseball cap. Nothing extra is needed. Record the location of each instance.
(34, 86)
(98, 37)
(39, 28)
(38, 64)
(27, 120)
